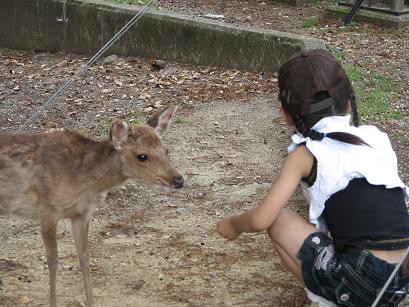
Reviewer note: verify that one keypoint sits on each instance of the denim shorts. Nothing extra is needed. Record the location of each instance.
(350, 278)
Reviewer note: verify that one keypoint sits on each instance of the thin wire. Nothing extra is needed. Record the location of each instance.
(378, 298)
(88, 64)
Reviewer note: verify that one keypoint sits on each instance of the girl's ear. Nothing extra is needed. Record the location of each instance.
(349, 106)
(287, 117)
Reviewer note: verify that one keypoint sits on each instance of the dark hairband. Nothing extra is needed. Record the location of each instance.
(321, 105)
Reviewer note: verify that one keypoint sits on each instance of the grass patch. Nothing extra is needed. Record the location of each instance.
(135, 118)
(347, 28)
(105, 128)
(400, 137)
(339, 55)
(103, 131)
(310, 22)
(178, 120)
(397, 33)
(373, 91)
(367, 30)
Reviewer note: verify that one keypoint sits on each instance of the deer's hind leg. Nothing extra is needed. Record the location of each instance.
(48, 225)
(80, 227)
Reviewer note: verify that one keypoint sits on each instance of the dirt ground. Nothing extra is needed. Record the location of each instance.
(154, 248)
(148, 247)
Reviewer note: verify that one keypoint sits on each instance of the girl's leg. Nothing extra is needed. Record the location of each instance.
(288, 233)
(294, 267)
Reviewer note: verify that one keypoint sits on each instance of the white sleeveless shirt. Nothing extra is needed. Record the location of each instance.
(340, 162)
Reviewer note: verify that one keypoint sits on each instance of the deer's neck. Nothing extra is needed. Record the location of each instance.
(82, 163)
(107, 170)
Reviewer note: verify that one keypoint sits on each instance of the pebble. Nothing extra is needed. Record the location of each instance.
(110, 59)
(68, 267)
(158, 64)
(23, 300)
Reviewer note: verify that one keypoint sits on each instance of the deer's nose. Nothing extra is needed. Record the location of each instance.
(178, 181)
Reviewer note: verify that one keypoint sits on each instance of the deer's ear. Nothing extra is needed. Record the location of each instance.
(118, 134)
(161, 120)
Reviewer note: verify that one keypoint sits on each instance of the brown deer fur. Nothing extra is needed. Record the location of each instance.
(63, 174)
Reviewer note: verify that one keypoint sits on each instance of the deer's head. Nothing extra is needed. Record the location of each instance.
(143, 156)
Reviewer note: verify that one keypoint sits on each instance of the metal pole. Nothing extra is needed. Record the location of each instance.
(397, 5)
(63, 17)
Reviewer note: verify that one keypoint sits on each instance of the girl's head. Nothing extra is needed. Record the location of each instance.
(313, 85)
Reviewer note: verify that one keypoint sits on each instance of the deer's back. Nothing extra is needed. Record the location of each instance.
(49, 169)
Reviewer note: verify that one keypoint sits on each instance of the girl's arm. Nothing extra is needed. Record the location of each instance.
(298, 164)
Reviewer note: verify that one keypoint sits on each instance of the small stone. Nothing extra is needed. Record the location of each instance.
(110, 59)
(158, 64)
(214, 16)
(200, 195)
(23, 300)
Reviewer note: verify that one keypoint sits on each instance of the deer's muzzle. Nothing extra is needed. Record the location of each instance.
(178, 181)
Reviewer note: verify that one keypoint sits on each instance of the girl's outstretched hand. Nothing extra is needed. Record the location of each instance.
(225, 228)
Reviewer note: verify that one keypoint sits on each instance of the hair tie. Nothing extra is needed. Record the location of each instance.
(324, 135)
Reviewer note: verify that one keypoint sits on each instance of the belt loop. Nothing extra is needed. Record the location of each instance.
(405, 268)
(397, 297)
(361, 260)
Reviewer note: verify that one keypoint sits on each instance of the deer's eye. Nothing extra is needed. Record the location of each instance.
(142, 157)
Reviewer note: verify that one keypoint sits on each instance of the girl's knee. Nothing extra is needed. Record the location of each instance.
(289, 225)
(275, 230)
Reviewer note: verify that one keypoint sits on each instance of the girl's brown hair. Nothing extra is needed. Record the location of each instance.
(313, 85)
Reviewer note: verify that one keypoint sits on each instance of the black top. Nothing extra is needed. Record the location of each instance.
(312, 176)
(367, 216)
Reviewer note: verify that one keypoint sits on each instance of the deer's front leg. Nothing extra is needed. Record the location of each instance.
(48, 225)
(80, 226)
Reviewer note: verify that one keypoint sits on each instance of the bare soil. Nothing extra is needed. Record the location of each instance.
(154, 248)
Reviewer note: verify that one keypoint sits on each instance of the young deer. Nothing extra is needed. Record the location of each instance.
(62, 174)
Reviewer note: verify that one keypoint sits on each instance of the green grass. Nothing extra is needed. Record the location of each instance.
(103, 131)
(373, 91)
(397, 33)
(135, 118)
(338, 54)
(310, 22)
(365, 29)
(400, 137)
(178, 120)
(347, 28)
(134, 121)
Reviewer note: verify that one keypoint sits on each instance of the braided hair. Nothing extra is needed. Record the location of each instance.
(305, 122)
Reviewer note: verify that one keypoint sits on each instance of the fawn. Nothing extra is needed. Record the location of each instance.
(62, 174)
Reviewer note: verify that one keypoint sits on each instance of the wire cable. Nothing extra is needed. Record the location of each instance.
(91, 61)
(378, 298)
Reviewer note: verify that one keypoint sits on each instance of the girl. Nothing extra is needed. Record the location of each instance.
(359, 225)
